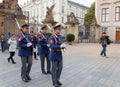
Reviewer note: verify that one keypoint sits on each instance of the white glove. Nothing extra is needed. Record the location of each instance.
(63, 45)
(48, 45)
(34, 50)
(29, 44)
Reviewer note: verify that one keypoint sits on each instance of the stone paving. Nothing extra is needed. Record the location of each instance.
(83, 67)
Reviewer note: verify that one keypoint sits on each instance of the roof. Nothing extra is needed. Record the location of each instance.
(69, 1)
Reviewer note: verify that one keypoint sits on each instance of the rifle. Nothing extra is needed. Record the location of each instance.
(55, 35)
(23, 33)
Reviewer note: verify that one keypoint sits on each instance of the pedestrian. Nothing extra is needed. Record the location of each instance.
(3, 41)
(12, 48)
(44, 50)
(104, 40)
(25, 52)
(9, 36)
(56, 45)
(34, 42)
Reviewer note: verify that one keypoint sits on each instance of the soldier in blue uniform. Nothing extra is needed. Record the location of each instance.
(25, 52)
(56, 45)
(43, 42)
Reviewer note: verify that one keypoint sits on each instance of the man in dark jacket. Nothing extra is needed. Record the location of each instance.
(44, 50)
(25, 52)
(104, 41)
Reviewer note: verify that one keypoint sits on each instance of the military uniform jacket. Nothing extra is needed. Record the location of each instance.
(55, 49)
(24, 51)
(43, 40)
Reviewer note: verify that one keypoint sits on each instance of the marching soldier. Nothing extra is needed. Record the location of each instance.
(56, 45)
(44, 50)
(25, 52)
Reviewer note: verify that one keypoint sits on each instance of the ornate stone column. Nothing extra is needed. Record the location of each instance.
(94, 31)
(73, 26)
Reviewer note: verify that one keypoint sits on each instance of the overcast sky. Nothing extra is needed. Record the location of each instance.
(84, 2)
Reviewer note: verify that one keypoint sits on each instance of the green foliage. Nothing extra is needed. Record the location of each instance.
(89, 16)
(70, 37)
(49, 34)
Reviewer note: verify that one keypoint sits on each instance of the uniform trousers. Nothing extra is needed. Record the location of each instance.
(57, 67)
(26, 66)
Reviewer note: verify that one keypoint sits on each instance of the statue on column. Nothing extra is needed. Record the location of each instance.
(8, 5)
(72, 19)
(49, 15)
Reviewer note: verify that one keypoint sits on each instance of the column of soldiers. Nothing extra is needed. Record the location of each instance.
(49, 49)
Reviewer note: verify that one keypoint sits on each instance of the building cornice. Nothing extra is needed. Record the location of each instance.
(116, 1)
(105, 2)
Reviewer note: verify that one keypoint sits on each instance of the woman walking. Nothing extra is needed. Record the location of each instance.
(12, 48)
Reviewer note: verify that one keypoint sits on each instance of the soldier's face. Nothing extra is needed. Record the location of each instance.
(26, 30)
(58, 31)
(44, 31)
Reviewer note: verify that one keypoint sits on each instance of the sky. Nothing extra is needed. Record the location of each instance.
(84, 2)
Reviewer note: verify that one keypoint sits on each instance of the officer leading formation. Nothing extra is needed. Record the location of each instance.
(56, 46)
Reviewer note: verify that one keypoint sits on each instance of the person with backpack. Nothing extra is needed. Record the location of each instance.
(104, 40)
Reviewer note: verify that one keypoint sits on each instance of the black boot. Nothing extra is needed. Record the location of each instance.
(28, 77)
(25, 79)
(48, 72)
(43, 72)
(13, 62)
(55, 85)
(59, 83)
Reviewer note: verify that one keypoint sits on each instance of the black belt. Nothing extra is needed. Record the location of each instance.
(57, 50)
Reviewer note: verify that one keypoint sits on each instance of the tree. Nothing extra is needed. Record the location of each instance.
(89, 16)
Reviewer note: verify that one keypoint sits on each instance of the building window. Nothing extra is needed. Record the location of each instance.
(105, 14)
(62, 9)
(117, 28)
(117, 13)
(104, 29)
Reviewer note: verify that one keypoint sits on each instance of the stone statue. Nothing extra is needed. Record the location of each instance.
(49, 15)
(72, 19)
(10, 5)
(9, 9)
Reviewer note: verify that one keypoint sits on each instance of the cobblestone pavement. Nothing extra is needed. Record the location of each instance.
(83, 67)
